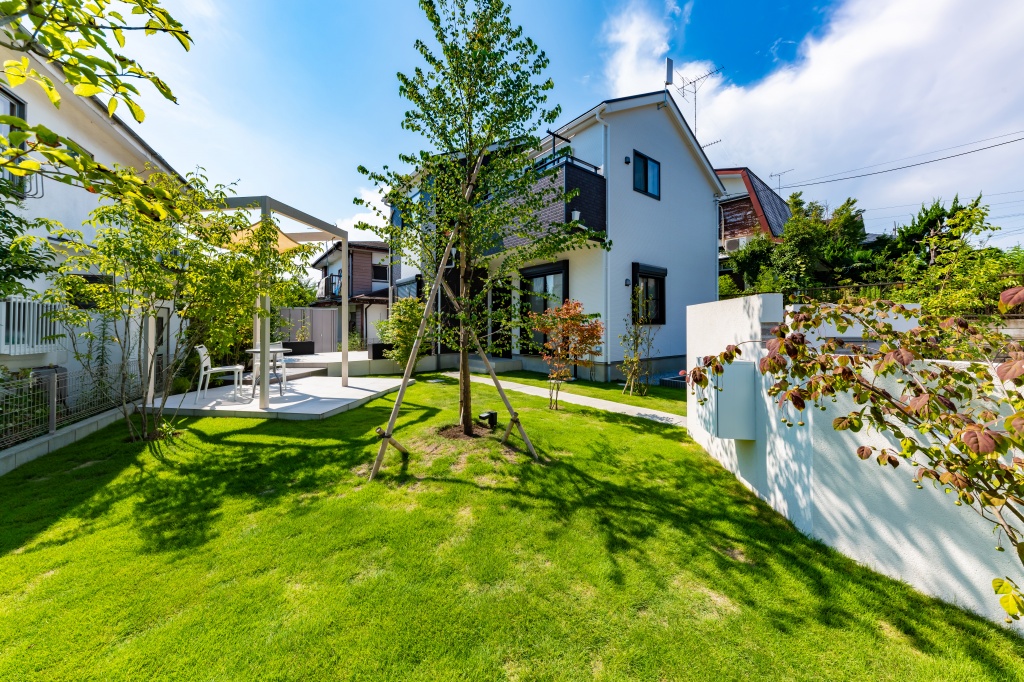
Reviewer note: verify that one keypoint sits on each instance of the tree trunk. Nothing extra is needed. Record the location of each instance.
(465, 383)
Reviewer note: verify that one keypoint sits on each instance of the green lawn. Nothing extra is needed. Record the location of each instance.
(671, 400)
(256, 550)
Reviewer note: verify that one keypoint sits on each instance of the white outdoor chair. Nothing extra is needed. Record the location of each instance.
(206, 370)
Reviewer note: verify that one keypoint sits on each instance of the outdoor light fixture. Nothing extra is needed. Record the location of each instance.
(575, 216)
(627, 160)
(628, 282)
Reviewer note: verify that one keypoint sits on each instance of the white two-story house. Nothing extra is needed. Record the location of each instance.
(646, 185)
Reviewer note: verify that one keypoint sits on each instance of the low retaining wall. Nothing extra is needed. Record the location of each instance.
(15, 456)
(811, 475)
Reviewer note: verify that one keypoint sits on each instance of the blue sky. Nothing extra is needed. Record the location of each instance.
(290, 103)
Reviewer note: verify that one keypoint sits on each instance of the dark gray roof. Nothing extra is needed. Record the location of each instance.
(373, 245)
(776, 210)
(766, 200)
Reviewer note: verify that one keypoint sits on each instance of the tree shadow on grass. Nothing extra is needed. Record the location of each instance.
(71, 482)
(176, 508)
(177, 489)
(631, 500)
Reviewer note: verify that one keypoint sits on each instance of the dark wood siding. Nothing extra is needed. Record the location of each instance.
(591, 200)
(739, 218)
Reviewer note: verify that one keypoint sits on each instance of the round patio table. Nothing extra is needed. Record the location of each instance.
(283, 377)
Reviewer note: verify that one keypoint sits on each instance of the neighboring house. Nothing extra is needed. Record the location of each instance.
(23, 327)
(369, 281)
(646, 185)
(749, 207)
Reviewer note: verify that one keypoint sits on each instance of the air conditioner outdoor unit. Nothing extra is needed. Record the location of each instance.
(732, 245)
(743, 241)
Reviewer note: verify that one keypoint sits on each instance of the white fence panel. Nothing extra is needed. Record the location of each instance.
(26, 327)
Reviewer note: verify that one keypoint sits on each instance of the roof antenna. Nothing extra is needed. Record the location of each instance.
(669, 72)
(779, 176)
(693, 85)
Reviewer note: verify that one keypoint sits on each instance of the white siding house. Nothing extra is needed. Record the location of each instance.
(111, 142)
(660, 212)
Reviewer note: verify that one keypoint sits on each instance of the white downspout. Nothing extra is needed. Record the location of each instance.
(604, 255)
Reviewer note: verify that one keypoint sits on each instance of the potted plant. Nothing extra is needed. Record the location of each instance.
(301, 345)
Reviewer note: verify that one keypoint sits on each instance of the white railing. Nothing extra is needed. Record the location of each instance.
(26, 327)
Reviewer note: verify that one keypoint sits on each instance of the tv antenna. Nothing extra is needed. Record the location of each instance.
(705, 146)
(693, 86)
(779, 176)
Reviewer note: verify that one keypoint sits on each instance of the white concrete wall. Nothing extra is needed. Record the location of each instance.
(679, 232)
(811, 475)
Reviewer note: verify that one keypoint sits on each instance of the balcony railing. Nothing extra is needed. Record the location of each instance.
(329, 288)
(557, 159)
(26, 327)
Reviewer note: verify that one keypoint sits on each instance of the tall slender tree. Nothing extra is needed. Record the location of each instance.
(478, 102)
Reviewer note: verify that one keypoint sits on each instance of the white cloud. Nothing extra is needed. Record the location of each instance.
(884, 81)
(365, 216)
(638, 38)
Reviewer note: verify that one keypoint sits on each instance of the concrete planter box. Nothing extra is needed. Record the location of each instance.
(377, 350)
(300, 347)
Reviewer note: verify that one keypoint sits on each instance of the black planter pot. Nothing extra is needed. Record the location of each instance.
(300, 347)
(377, 350)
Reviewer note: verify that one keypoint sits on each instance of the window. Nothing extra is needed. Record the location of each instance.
(380, 273)
(544, 287)
(84, 296)
(410, 287)
(11, 106)
(651, 281)
(646, 175)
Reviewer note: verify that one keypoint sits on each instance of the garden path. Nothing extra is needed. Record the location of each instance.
(585, 401)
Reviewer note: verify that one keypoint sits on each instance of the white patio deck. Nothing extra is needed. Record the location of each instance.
(314, 397)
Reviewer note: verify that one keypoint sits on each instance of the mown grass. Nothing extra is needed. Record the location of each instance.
(672, 400)
(256, 550)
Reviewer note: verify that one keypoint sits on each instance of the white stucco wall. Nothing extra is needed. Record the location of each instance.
(586, 285)
(811, 475)
(679, 232)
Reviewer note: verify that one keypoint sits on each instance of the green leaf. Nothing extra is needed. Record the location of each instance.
(1001, 586)
(119, 36)
(111, 106)
(87, 90)
(137, 113)
(1010, 605)
(47, 136)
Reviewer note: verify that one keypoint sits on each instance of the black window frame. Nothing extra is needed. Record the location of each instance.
(658, 275)
(81, 299)
(641, 160)
(557, 268)
(373, 272)
(18, 183)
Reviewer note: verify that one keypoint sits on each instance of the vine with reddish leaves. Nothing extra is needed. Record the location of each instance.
(946, 391)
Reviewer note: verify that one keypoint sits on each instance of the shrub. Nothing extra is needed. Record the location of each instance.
(401, 328)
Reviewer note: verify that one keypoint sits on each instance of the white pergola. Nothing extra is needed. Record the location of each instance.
(319, 231)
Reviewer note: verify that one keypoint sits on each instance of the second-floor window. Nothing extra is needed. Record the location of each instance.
(646, 175)
(380, 273)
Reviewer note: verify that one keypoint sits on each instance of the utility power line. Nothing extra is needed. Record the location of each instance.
(914, 156)
(912, 165)
(903, 215)
(993, 194)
